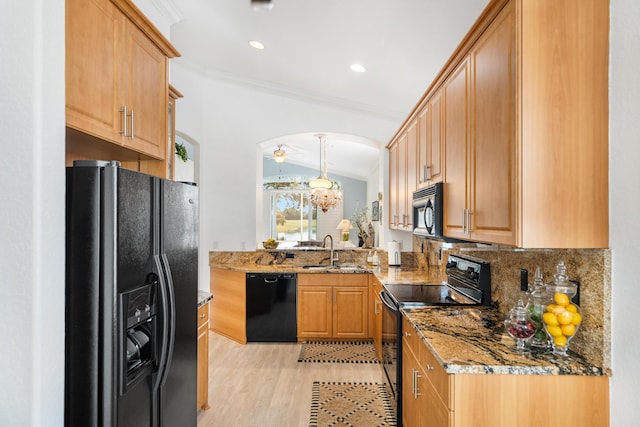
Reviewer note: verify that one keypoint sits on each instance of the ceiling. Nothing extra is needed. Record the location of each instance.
(310, 45)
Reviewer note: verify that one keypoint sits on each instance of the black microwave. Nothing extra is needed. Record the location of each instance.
(427, 211)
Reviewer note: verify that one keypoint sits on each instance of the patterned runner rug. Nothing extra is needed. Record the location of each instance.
(350, 404)
(338, 352)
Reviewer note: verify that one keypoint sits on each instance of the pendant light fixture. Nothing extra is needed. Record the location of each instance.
(322, 181)
(324, 193)
(279, 155)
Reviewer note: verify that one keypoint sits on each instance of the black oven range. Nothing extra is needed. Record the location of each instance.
(468, 284)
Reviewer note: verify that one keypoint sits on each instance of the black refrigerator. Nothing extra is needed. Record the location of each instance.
(131, 298)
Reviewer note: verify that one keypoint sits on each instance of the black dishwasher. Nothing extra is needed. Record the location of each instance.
(271, 307)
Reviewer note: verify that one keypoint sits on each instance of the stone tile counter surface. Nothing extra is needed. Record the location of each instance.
(204, 297)
(474, 341)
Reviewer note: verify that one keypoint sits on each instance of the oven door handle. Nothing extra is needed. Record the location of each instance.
(386, 300)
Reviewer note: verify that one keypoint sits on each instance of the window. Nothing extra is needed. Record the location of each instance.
(292, 217)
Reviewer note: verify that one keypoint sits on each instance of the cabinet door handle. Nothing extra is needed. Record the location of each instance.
(132, 125)
(464, 221)
(123, 110)
(407, 334)
(413, 382)
(417, 384)
(427, 172)
(469, 228)
(202, 316)
(429, 367)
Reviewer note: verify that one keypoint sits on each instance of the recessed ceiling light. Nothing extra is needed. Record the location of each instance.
(256, 44)
(358, 68)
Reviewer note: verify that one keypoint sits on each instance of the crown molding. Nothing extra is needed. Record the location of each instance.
(289, 92)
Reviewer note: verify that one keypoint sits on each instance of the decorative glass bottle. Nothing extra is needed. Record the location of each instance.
(537, 305)
(562, 317)
(520, 327)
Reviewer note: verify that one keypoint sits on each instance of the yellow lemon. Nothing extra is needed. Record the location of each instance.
(561, 299)
(554, 331)
(551, 307)
(550, 319)
(560, 341)
(565, 318)
(559, 310)
(576, 319)
(572, 308)
(568, 330)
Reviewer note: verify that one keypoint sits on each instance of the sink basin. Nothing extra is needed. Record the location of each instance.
(344, 267)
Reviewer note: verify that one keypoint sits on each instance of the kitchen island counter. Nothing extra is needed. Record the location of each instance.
(474, 341)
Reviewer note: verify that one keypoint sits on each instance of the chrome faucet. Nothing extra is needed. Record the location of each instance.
(324, 245)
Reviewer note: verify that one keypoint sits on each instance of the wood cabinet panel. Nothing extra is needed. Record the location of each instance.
(350, 312)
(228, 308)
(315, 311)
(146, 93)
(456, 119)
(202, 399)
(333, 306)
(492, 146)
(92, 68)
(430, 141)
(394, 191)
(411, 174)
(564, 126)
(376, 315)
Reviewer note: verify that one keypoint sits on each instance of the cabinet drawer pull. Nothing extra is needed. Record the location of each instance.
(202, 316)
(407, 334)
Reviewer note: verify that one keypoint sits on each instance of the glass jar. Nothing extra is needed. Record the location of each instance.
(537, 305)
(562, 317)
(520, 327)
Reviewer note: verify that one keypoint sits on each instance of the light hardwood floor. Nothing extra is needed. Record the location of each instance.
(264, 385)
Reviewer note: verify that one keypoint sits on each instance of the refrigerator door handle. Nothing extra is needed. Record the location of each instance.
(171, 314)
(167, 334)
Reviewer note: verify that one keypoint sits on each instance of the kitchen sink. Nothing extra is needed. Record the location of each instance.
(343, 267)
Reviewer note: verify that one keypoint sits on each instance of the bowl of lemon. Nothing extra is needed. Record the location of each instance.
(270, 244)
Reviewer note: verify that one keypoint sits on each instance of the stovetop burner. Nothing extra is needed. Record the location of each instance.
(468, 283)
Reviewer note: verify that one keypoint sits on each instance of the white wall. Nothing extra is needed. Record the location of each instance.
(624, 205)
(32, 213)
(228, 120)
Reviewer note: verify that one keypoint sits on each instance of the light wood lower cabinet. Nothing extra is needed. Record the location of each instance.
(228, 308)
(431, 397)
(333, 306)
(376, 315)
(203, 357)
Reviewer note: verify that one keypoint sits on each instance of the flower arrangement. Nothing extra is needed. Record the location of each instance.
(359, 218)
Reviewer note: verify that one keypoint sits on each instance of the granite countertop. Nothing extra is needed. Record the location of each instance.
(204, 297)
(474, 341)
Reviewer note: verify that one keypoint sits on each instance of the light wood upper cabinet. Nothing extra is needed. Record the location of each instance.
(480, 171)
(403, 178)
(145, 93)
(116, 77)
(456, 126)
(93, 28)
(563, 127)
(430, 141)
(525, 126)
